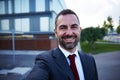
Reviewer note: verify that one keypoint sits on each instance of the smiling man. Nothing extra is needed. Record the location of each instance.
(65, 62)
(68, 31)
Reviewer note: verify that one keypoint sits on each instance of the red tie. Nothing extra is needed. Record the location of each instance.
(73, 66)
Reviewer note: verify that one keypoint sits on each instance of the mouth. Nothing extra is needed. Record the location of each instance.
(68, 42)
(69, 39)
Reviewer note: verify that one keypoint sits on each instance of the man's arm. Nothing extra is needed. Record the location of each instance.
(40, 70)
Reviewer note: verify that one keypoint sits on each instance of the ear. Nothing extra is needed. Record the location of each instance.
(80, 28)
(55, 32)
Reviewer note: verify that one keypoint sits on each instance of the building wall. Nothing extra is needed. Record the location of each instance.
(31, 17)
(37, 42)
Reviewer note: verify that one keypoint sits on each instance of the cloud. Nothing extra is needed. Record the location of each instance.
(93, 13)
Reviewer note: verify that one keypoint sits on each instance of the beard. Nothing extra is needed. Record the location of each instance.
(68, 45)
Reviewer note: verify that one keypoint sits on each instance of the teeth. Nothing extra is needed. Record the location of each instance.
(72, 38)
(69, 38)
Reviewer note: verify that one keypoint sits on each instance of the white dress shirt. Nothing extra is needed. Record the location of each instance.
(77, 61)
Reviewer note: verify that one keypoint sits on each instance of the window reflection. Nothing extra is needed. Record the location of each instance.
(40, 5)
(9, 7)
(44, 24)
(2, 7)
(5, 24)
(21, 6)
(22, 25)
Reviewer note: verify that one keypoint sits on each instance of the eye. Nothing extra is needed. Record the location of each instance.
(63, 27)
(74, 26)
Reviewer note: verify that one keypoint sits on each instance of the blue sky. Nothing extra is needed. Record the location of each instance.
(94, 12)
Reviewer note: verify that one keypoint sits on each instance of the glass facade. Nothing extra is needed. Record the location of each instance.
(29, 15)
(60, 5)
(2, 7)
(5, 24)
(40, 5)
(44, 24)
(9, 7)
(21, 6)
(22, 25)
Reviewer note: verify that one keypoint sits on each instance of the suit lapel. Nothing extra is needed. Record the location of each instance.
(62, 62)
(85, 64)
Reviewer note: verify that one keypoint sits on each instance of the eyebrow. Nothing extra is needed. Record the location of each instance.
(62, 26)
(70, 25)
(74, 24)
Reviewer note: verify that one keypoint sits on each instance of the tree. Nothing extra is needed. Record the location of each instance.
(118, 29)
(92, 34)
(103, 32)
(108, 24)
(105, 25)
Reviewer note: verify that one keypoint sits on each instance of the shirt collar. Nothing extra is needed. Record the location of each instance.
(66, 53)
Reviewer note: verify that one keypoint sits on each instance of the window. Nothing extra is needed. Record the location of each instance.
(22, 25)
(2, 7)
(18, 25)
(25, 25)
(9, 7)
(5, 24)
(40, 5)
(21, 6)
(44, 24)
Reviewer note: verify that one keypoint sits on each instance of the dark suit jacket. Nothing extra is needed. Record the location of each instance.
(52, 65)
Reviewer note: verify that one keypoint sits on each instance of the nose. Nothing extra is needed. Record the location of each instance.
(69, 31)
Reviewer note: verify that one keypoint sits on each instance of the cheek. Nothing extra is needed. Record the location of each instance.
(77, 32)
(59, 33)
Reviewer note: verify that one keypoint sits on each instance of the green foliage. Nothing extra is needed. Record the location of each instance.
(118, 29)
(103, 32)
(92, 34)
(105, 25)
(108, 24)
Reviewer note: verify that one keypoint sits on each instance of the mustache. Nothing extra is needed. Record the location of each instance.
(69, 36)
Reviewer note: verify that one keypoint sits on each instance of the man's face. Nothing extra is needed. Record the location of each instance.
(67, 31)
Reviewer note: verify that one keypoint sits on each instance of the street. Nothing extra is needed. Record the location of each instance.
(108, 65)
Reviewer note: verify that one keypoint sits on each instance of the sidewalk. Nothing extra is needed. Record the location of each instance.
(16, 65)
(20, 52)
(17, 73)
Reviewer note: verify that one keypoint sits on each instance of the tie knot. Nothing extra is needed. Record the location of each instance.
(72, 57)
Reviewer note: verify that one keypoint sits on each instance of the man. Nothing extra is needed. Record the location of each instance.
(56, 64)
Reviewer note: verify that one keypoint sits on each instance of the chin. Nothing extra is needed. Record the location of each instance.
(69, 47)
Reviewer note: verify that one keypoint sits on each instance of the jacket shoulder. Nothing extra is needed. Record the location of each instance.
(47, 54)
(85, 55)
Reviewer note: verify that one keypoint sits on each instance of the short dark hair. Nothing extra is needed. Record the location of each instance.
(65, 12)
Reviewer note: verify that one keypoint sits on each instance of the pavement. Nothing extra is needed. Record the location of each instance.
(108, 65)
(15, 65)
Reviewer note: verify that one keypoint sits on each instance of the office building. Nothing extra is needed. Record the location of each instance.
(29, 17)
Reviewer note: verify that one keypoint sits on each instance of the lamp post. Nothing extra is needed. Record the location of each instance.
(13, 45)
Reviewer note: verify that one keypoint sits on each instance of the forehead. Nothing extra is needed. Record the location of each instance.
(67, 19)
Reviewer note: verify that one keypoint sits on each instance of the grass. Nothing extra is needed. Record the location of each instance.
(100, 47)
